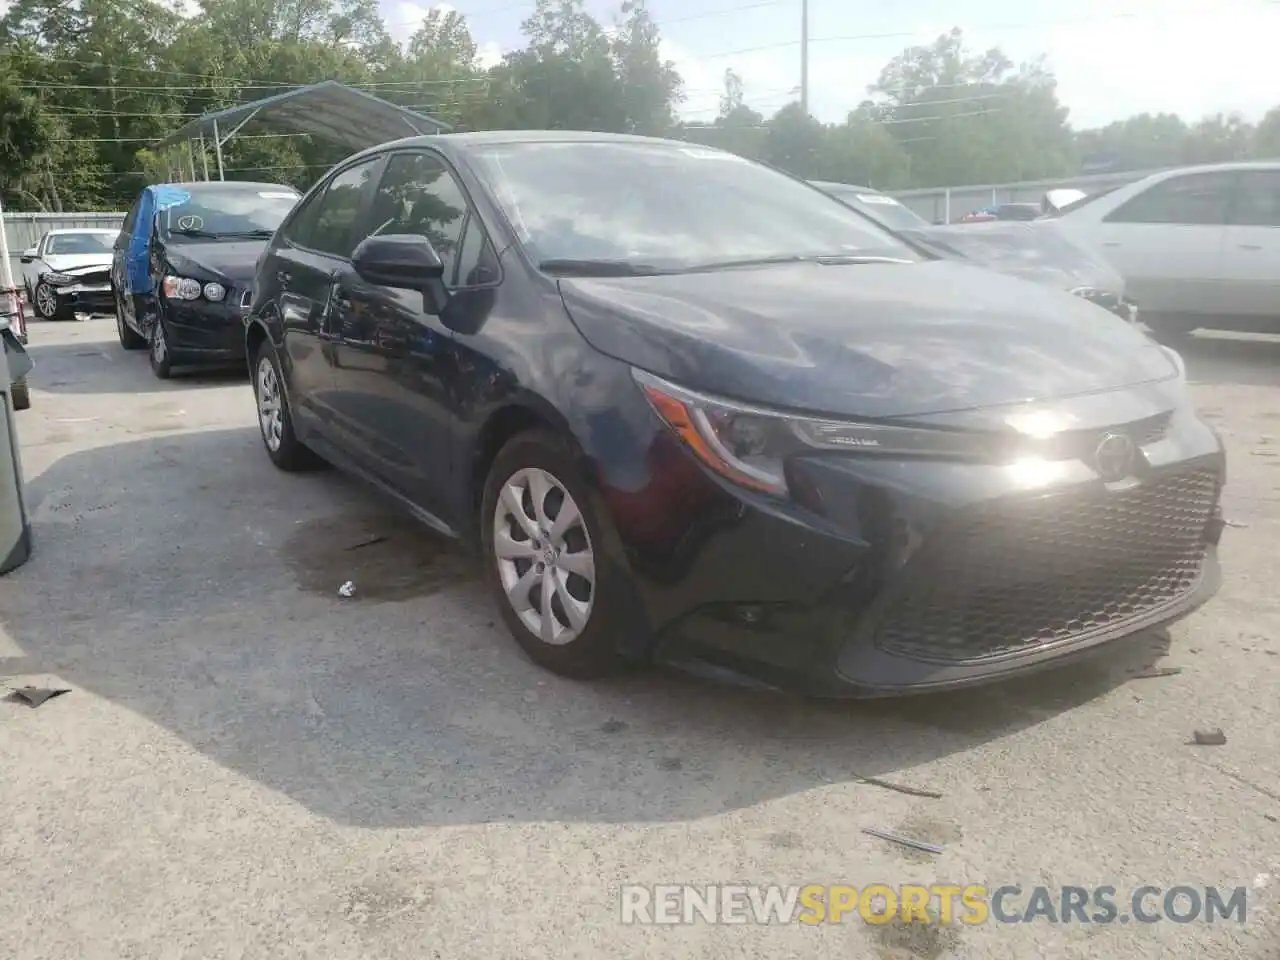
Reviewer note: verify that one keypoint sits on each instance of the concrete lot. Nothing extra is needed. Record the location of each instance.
(250, 766)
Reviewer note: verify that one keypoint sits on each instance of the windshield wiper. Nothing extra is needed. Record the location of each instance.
(204, 234)
(599, 268)
(247, 234)
(828, 259)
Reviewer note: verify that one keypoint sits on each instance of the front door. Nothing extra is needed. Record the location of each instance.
(394, 362)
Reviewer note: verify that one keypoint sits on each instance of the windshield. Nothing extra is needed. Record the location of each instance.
(1082, 201)
(668, 206)
(881, 208)
(239, 213)
(63, 244)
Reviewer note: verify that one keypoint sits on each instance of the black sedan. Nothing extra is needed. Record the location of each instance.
(690, 408)
(183, 264)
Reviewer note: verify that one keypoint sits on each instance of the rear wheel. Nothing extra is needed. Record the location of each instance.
(274, 417)
(130, 339)
(20, 394)
(559, 594)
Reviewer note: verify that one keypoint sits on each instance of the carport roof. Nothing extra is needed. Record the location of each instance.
(328, 109)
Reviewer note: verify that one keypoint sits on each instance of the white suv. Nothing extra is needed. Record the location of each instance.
(1198, 246)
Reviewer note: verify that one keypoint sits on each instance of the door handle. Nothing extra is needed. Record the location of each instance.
(1250, 246)
(1111, 243)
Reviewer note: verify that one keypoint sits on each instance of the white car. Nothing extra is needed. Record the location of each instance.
(1198, 246)
(68, 272)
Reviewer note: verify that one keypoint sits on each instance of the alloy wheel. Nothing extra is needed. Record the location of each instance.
(159, 348)
(46, 300)
(270, 405)
(544, 555)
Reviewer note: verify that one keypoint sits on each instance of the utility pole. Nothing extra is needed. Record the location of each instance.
(804, 55)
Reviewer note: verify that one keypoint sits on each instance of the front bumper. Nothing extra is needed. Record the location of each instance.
(203, 332)
(922, 576)
(86, 298)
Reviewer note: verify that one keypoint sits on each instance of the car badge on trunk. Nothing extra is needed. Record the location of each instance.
(1114, 457)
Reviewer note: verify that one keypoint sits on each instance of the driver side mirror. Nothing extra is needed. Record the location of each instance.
(28, 255)
(406, 261)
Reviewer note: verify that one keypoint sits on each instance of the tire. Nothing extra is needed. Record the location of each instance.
(46, 303)
(20, 394)
(130, 339)
(275, 421)
(158, 351)
(591, 650)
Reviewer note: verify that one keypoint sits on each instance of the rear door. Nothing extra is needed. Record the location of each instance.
(1167, 242)
(311, 251)
(1251, 252)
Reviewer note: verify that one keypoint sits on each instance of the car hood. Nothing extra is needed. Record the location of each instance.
(72, 262)
(1037, 250)
(870, 340)
(227, 261)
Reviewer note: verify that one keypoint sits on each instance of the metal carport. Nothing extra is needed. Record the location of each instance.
(329, 109)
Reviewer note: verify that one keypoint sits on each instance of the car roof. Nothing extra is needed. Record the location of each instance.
(222, 186)
(59, 231)
(460, 142)
(829, 184)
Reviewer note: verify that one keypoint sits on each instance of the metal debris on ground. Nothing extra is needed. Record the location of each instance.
(898, 787)
(904, 841)
(1154, 673)
(34, 696)
(348, 589)
(1236, 523)
(1213, 737)
(369, 542)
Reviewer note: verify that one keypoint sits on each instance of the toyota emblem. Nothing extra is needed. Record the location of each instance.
(1114, 457)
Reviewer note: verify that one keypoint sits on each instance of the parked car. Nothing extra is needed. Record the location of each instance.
(1003, 211)
(182, 268)
(689, 407)
(1198, 246)
(67, 273)
(1037, 251)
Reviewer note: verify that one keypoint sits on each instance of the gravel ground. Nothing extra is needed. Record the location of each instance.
(250, 766)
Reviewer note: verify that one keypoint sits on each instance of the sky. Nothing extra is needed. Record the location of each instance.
(1112, 59)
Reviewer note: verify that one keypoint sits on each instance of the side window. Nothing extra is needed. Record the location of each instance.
(477, 264)
(126, 229)
(1258, 199)
(1196, 199)
(302, 223)
(335, 225)
(419, 195)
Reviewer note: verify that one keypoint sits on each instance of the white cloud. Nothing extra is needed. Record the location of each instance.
(488, 54)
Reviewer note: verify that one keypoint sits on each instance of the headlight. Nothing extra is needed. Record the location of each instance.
(58, 279)
(181, 288)
(751, 446)
(214, 291)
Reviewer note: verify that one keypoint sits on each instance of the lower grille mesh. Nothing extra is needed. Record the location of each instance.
(1018, 576)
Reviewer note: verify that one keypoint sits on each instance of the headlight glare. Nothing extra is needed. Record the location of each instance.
(750, 445)
(181, 288)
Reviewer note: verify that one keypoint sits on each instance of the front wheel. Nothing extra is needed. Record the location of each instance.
(274, 417)
(559, 595)
(46, 303)
(161, 359)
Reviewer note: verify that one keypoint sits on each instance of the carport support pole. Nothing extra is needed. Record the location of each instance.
(6, 268)
(204, 157)
(217, 145)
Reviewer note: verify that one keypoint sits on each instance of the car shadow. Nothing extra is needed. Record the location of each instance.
(183, 578)
(96, 366)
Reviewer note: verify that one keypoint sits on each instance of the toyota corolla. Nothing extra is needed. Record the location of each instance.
(691, 408)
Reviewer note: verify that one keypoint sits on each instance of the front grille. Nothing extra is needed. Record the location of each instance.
(1083, 444)
(1016, 576)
